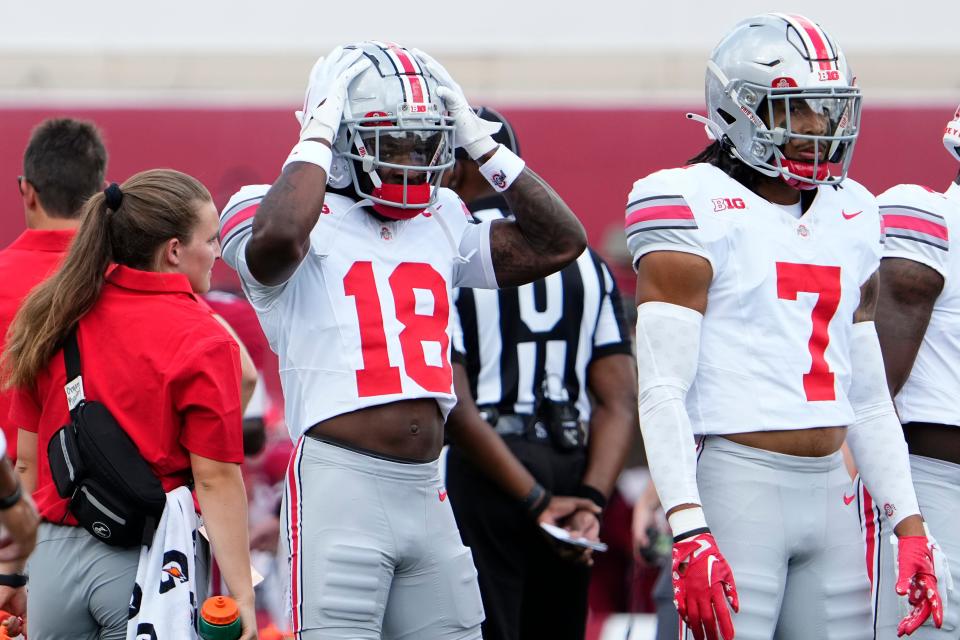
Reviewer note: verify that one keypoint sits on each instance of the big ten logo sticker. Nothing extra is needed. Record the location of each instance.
(723, 204)
(827, 75)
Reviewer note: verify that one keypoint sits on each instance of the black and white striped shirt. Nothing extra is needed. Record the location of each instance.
(512, 340)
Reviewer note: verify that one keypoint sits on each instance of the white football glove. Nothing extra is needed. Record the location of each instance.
(327, 93)
(471, 132)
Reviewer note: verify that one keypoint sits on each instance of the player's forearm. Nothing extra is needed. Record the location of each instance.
(547, 237)
(223, 502)
(284, 220)
(482, 445)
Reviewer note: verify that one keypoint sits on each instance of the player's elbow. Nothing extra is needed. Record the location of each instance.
(570, 245)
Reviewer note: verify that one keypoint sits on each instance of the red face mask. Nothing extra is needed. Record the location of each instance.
(804, 169)
(417, 194)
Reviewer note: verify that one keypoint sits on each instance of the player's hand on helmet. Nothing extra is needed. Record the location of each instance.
(327, 93)
(471, 132)
(917, 580)
(703, 588)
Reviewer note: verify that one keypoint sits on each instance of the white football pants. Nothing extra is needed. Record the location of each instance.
(789, 529)
(374, 550)
(937, 484)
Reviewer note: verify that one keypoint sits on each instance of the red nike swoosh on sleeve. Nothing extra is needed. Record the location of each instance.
(847, 216)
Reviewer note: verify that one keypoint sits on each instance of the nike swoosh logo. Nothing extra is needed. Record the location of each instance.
(848, 216)
(704, 546)
(848, 499)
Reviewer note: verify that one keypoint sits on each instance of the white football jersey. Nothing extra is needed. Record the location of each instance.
(919, 224)
(365, 319)
(774, 350)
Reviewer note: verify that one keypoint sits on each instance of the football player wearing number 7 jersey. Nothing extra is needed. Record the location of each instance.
(756, 287)
(349, 259)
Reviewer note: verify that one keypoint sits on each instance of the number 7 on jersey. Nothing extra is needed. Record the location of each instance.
(795, 278)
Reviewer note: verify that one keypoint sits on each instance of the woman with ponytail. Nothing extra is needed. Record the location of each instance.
(162, 366)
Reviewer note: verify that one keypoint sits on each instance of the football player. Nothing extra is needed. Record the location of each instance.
(756, 287)
(918, 321)
(349, 259)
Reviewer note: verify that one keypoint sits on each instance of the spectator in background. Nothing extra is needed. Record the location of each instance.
(168, 373)
(63, 165)
(545, 380)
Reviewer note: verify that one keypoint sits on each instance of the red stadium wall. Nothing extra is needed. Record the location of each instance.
(590, 156)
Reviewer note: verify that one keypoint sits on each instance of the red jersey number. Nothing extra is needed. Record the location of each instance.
(378, 377)
(818, 383)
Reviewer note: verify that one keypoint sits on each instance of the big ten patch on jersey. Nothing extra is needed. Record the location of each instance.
(775, 337)
(365, 318)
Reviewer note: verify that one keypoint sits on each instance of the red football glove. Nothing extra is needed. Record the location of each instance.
(703, 586)
(917, 580)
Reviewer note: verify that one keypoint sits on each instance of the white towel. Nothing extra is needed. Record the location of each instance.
(163, 605)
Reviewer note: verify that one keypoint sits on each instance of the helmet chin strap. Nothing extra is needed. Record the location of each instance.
(416, 194)
(804, 170)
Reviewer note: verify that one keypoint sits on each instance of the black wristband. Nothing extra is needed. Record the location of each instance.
(689, 534)
(537, 500)
(15, 580)
(12, 499)
(593, 494)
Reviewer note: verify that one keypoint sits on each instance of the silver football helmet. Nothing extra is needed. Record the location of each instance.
(395, 132)
(951, 135)
(769, 67)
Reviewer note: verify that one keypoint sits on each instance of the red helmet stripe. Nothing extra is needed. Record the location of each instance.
(407, 63)
(818, 41)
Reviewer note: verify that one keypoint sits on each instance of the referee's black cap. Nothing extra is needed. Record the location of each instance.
(506, 136)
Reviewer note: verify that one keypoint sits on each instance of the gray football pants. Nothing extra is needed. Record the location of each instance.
(792, 541)
(80, 588)
(374, 550)
(937, 484)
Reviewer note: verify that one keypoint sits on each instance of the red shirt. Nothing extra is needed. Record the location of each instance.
(23, 265)
(164, 367)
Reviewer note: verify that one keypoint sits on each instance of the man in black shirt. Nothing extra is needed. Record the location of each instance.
(546, 384)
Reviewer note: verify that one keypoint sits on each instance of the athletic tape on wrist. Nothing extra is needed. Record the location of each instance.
(502, 168)
(687, 521)
(313, 152)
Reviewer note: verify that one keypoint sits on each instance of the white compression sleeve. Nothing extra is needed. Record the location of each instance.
(876, 438)
(668, 349)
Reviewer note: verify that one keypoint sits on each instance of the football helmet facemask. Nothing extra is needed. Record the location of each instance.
(395, 139)
(951, 136)
(778, 79)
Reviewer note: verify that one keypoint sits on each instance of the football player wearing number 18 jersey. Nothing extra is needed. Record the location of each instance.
(756, 286)
(349, 259)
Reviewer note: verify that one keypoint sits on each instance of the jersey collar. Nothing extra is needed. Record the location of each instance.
(151, 281)
(52, 240)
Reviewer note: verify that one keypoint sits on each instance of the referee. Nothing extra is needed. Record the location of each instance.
(546, 383)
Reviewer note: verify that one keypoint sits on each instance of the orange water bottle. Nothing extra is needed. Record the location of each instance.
(220, 619)
(3, 630)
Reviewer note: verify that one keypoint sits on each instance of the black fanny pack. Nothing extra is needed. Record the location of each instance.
(112, 490)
